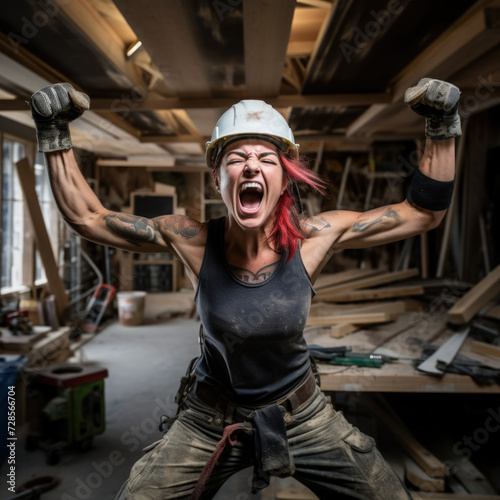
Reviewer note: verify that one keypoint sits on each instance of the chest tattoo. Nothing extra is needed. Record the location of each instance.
(260, 276)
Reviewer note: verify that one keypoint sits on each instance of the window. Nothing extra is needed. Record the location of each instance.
(21, 264)
(12, 216)
(49, 212)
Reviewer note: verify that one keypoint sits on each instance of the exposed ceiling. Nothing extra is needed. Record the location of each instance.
(337, 69)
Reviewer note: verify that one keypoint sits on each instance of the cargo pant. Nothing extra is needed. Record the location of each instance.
(332, 458)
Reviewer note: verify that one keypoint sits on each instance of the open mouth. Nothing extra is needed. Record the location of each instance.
(251, 194)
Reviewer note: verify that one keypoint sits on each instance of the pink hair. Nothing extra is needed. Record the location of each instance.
(287, 228)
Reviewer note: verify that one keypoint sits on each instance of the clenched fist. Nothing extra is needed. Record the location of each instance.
(52, 108)
(437, 102)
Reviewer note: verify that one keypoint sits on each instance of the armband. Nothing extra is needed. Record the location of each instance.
(429, 193)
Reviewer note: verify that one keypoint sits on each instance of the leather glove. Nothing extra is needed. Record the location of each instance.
(52, 108)
(437, 101)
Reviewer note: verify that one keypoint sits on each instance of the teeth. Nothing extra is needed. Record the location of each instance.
(249, 185)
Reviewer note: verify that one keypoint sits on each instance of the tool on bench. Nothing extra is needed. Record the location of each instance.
(444, 354)
(343, 356)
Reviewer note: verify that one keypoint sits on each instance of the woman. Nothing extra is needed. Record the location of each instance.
(253, 272)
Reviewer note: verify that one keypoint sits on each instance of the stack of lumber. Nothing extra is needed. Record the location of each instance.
(43, 347)
(353, 299)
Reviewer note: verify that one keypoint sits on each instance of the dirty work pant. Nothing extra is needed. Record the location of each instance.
(332, 458)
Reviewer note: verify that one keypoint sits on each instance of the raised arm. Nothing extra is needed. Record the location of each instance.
(429, 194)
(52, 109)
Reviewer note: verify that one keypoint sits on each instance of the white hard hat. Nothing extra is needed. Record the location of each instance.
(250, 119)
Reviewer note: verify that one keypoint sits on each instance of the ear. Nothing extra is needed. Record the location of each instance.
(216, 179)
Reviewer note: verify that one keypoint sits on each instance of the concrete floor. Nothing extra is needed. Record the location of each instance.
(145, 364)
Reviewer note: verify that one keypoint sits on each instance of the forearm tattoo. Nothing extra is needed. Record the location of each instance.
(137, 230)
(387, 217)
(134, 229)
(258, 277)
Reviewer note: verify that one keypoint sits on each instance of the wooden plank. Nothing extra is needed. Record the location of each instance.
(326, 280)
(418, 477)
(56, 286)
(358, 319)
(377, 293)
(265, 41)
(461, 467)
(380, 279)
(484, 348)
(421, 455)
(284, 101)
(476, 298)
(13, 344)
(342, 329)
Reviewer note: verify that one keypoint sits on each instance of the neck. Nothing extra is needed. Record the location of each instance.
(248, 244)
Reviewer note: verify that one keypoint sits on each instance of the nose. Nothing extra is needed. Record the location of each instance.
(252, 165)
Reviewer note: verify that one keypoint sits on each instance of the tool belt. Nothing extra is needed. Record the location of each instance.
(271, 454)
(291, 402)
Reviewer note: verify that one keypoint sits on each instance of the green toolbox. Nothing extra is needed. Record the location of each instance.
(71, 408)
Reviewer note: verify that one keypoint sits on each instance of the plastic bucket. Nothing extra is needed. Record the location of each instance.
(131, 307)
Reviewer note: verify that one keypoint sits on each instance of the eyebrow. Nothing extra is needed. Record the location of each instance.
(261, 155)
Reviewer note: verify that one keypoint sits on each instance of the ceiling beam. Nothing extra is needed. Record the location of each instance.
(468, 38)
(149, 103)
(266, 41)
(88, 19)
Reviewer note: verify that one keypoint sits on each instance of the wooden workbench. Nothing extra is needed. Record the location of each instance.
(399, 376)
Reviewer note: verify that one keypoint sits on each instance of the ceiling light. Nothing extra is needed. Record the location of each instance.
(133, 48)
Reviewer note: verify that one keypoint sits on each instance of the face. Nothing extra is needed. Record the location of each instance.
(250, 179)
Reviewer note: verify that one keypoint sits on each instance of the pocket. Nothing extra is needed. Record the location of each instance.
(366, 455)
(139, 469)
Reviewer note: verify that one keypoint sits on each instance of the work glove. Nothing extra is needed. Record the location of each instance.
(437, 101)
(52, 108)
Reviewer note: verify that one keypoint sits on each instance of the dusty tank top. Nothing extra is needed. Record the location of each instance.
(254, 349)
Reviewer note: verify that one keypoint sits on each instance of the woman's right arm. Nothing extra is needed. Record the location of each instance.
(85, 214)
(53, 108)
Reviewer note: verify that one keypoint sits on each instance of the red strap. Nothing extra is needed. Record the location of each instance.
(209, 466)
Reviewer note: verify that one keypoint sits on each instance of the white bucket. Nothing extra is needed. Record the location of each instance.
(131, 307)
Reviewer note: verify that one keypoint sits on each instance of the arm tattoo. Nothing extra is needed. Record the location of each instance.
(361, 226)
(317, 224)
(182, 225)
(260, 276)
(133, 228)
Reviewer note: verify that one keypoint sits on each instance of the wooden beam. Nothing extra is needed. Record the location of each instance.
(56, 287)
(149, 103)
(320, 4)
(356, 319)
(88, 19)
(484, 348)
(467, 39)
(476, 298)
(380, 279)
(377, 293)
(265, 41)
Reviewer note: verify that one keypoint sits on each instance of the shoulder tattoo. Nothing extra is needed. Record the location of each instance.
(181, 225)
(261, 275)
(387, 218)
(316, 224)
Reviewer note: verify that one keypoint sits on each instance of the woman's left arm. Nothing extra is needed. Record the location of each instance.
(428, 197)
(424, 209)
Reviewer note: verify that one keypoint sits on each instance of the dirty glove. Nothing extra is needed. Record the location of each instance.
(437, 101)
(52, 108)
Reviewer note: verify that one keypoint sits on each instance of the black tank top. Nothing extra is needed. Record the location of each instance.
(254, 349)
